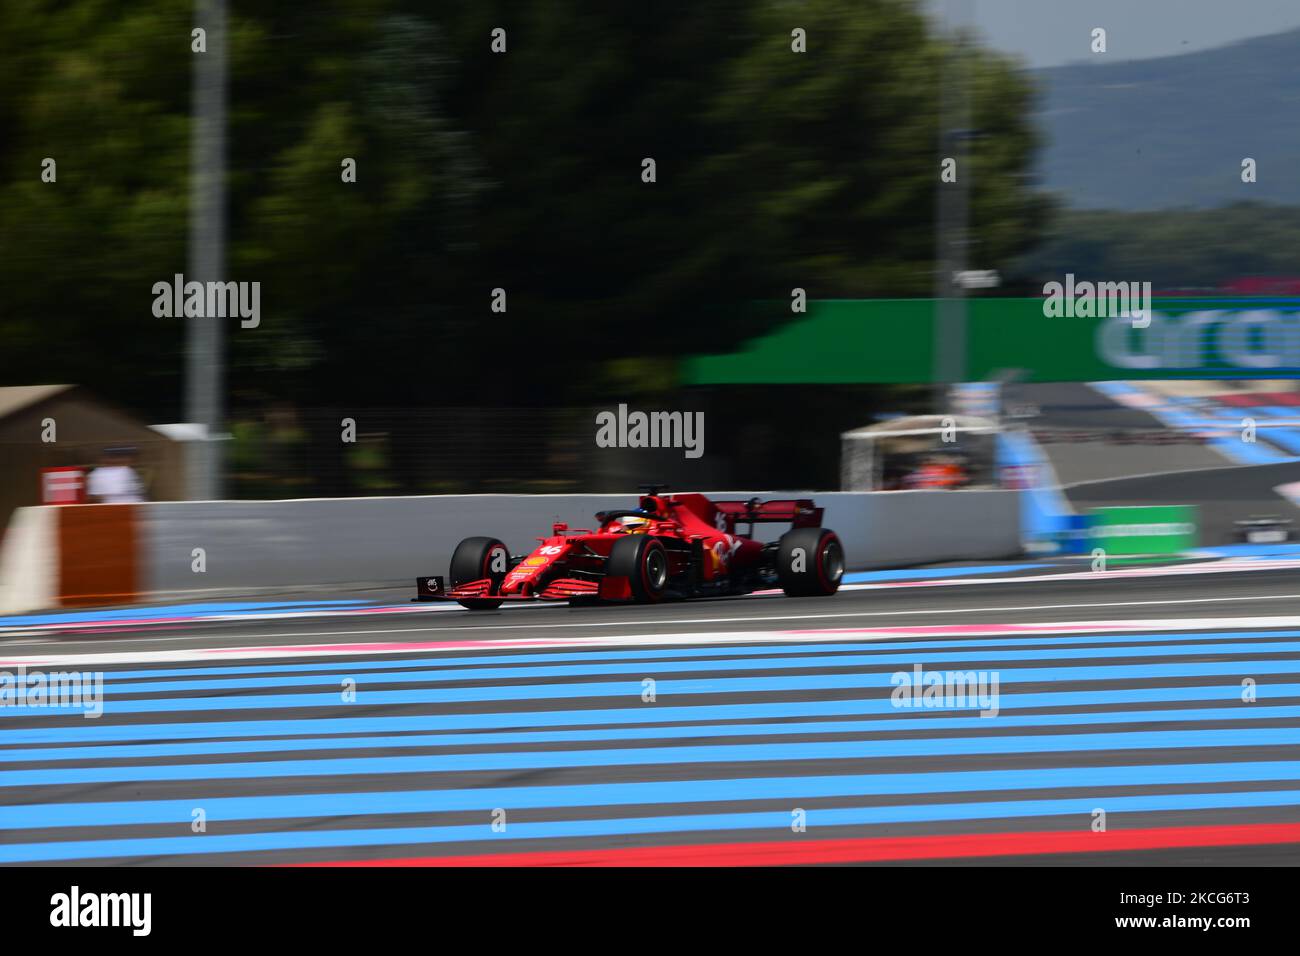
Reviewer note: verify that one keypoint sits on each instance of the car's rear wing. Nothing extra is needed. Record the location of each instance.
(799, 512)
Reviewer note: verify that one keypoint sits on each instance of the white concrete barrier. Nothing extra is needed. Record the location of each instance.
(342, 540)
(891, 529)
(339, 540)
(187, 548)
(29, 561)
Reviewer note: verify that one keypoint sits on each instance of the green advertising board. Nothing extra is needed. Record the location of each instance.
(849, 341)
(1155, 529)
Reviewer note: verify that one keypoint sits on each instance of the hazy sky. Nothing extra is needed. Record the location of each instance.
(1052, 32)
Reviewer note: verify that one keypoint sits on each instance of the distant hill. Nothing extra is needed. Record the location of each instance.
(1172, 131)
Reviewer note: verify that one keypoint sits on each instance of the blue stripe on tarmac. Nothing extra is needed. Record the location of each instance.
(884, 657)
(664, 688)
(862, 577)
(1237, 738)
(1254, 550)
(82, 732)
(173, 610)
(777, 821)
(90, 733)
(1175, 417)
(327, 805)
(915, 723)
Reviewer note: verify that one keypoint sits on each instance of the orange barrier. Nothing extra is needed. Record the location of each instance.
(98, 554)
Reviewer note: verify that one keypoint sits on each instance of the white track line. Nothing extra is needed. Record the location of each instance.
(704, 637)
(1223, 566)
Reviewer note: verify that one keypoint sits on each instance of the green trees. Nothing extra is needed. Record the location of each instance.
(1173, 249)
(104, 94)
(477, 170)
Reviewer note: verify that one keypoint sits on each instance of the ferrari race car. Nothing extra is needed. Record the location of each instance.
(670, 547)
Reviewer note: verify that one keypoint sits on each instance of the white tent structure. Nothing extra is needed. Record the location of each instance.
(869, 456)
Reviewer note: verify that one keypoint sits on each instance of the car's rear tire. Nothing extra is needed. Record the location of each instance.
(644, 562)
(477, 558)
(810, 562)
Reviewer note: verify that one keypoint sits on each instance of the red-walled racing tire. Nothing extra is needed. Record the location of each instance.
(477, 558)
(810, 562)
(644, 562)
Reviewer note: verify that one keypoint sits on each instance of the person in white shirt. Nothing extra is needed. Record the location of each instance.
(115, 482)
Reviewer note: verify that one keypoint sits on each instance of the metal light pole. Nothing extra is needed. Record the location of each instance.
(952, 205)
(204, 359)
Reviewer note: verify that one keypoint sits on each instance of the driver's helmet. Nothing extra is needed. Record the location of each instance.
(634, 524)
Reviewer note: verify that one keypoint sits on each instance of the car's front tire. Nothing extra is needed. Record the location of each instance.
(644, 562)
(475, 559)
(810, 562)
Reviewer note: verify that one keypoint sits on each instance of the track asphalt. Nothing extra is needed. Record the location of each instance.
(1142, 714)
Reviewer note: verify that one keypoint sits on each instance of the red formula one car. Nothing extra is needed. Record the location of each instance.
(670, 547)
